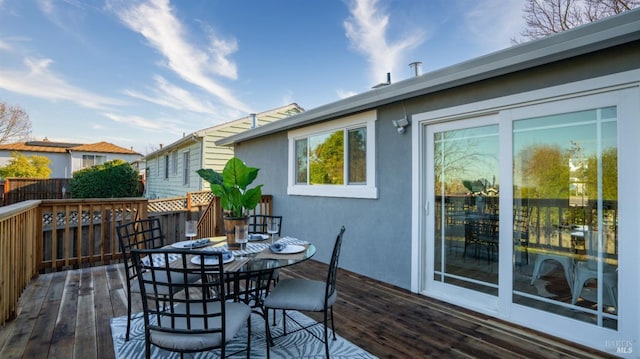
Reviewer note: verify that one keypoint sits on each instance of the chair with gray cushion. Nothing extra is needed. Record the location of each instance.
(144, 233)
(308, 295)
(199, 319)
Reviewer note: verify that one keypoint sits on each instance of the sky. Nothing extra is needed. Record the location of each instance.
(143, 73)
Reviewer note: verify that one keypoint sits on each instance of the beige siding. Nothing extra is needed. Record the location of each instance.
(203, 154)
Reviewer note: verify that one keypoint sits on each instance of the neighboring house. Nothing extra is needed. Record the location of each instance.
(67, 158)
(480, 120)
(170, 171)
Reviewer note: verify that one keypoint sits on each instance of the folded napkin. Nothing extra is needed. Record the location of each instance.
(227, 255)
(197, 243)
(278, 247)
(291, 240)
(158, 259)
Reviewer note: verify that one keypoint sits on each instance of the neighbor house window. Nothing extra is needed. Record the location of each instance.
(334, 159)
(92, 160)
(185, 160)
(166, 166)
(174, 162)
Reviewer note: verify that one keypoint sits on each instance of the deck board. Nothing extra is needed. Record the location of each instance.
(104, 313)
(68, 313)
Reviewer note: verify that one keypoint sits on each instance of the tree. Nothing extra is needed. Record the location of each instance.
(112, 179)
(26, 167)
(326, 165)
(609, 162)
(15, 125)
(546, 168)
(546, 17)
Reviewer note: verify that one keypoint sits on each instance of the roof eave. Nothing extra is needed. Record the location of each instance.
(603, 34)
(193, 137)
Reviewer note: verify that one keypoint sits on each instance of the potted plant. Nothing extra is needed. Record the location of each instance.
(236, 199)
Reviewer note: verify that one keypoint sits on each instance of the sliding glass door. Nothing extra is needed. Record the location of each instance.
(522, 216)
(465, 185)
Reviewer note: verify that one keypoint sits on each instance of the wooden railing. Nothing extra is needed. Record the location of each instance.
(211, 224)
(17, 254)
(192, 201)
(82, 232)
(40, 236)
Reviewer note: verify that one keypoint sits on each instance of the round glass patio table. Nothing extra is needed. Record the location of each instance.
(262, 260)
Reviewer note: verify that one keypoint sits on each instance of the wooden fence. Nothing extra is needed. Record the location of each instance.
(17, 190)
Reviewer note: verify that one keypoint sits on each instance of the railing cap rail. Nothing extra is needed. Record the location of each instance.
(13, 209)
(90, 200)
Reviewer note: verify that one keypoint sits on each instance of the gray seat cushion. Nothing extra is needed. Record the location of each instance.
(299, 294)
(161, 277)
(236, 318)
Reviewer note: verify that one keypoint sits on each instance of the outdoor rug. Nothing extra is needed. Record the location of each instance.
(294, 345)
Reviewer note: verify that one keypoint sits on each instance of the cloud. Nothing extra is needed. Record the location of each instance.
(72, 22)
(39, 81)
(5, 46)
(155, 125)
(154, 19)
(168, 95)
(484, 19)
(367, 30)
(345, 93)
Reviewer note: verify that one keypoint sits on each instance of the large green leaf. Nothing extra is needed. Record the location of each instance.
(231, 186)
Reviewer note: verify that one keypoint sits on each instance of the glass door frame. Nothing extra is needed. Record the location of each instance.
(485, 303)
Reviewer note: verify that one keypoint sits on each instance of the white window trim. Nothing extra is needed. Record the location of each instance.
(368, 190)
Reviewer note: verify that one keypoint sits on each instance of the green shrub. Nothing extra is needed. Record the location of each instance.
(112, 179)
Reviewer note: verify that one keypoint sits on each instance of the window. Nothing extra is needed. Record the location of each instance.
(174, 162)
(166, 166)
(334, 159)
(92, 160)
(185, 175)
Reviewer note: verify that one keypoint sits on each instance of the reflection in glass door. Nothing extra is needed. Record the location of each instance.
(566, 181)
(466, 192)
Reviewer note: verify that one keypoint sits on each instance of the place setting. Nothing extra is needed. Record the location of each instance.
(284, 248)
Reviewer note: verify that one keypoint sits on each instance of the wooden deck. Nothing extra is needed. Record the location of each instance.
(67, 314)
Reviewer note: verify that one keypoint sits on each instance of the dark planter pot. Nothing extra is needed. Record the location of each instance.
(230, 230)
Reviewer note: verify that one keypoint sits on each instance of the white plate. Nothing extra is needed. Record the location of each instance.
(187, 244)
(210, 260)
(291, 249)
(258, 237)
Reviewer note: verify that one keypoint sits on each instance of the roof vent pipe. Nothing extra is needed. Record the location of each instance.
(416, 67)
(253, 120)
(384, 83)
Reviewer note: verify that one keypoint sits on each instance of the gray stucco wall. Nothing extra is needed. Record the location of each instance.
(377, 242)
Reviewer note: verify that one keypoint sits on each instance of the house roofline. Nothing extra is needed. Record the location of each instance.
(609, 32)
(200, 134)
(192, 137)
